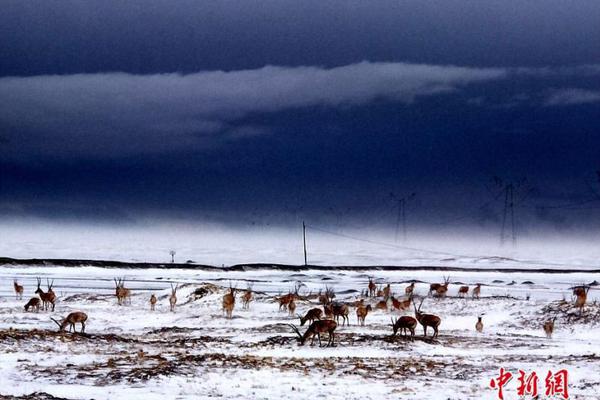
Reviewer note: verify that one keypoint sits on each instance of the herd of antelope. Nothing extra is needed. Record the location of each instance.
(321, 320)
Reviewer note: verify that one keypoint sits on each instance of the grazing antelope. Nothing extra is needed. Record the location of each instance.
(173, 297)
(427, 320)
(581, 293)
(48, 297)
(382, 305)
(18, 290)
(292, 307)
(404, 323)
(247, 298)
(401, 304)
(463, 291)
(409, 289)
(340, 310)
(549, 327)
(316, 328)
(372, 288)
(434, 287)
(386, 291)
(479, 324)
(229, 302)
(76, 317)
(33, 303)
(121, 292)
(476, 291)
(153, 301)
(361, 313)
(443, 289)
(311, 316)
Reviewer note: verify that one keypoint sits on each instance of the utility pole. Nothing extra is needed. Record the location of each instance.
(509, 209)
(401, 218)
(304, 239)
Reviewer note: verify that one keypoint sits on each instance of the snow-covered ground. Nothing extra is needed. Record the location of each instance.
(131, 352)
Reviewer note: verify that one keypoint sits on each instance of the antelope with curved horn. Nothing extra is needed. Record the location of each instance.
(361, 313)
(247, 298)
(409, 289)
(153, 301)
(316, 328)
(18, 290)
(442, 290)
(229, 302)
(121, 292)
(312, 315)
(48, 298)
(173, 297)
(403, 324)
(73, 318)
(34, 304)
(427, 320)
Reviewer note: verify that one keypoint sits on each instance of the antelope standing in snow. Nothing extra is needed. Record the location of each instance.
(463, 291)
(403, 324)
(121, 292)
(153, 301)
(581, 293)
(372, 288)
(18, 290)
(387, 291)
(77, 317)
(479, 324)
(229, 302)
(409, 289)
(427, 320)
(549, 327)
(247, 298)
(47, 297)
(443, 289)
(361, 313)
(34, 304)
(316, 328)
(311, 316)
(340, 310)
(173, 297)
(401, 304)
(476, 291)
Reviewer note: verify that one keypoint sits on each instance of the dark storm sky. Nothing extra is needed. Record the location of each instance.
(267, 111)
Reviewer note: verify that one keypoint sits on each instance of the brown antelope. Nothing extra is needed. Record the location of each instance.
(229, 302)
(121, 292)
(316, 328)
(386, 291)
(443, 289)
(372, 288)
(479, 324)
(401, 304)
(173, 297)
(341, 310)
(476, 291)
(463, 291)
(549, 327)
(48, 297)
(311, 316)
(404, 324)
(73, 318)
(328, 309)
(292, 307)
(581, 293)
(153, 301)
(284, 301)
(327, 297)
(34, 304)
(247, 298)
(18, 290)
(409, 289)
(361, 313)
(427, 320)
(382, 305)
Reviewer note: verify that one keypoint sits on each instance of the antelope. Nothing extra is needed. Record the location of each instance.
(48, 297)
(73, 318)
(479, 324)
(284, 301)
(404, 323)
(581, 293)
(292, 307)
(443, 289)
(549, 327)
(327, 297)
(401, 304)
(382, 305)
(311, 316)
(340, 310)
(153, 301)
(427, 320)
(463, 291)
(386, 291)
(476, 291)
(123, 294)
(372, 288)
(173, 297)
(328, 308)
(409, 289)
(247, 298)
(18, 290)
(316, 328)
(361, 313)
(33, 303)
(229, 302)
